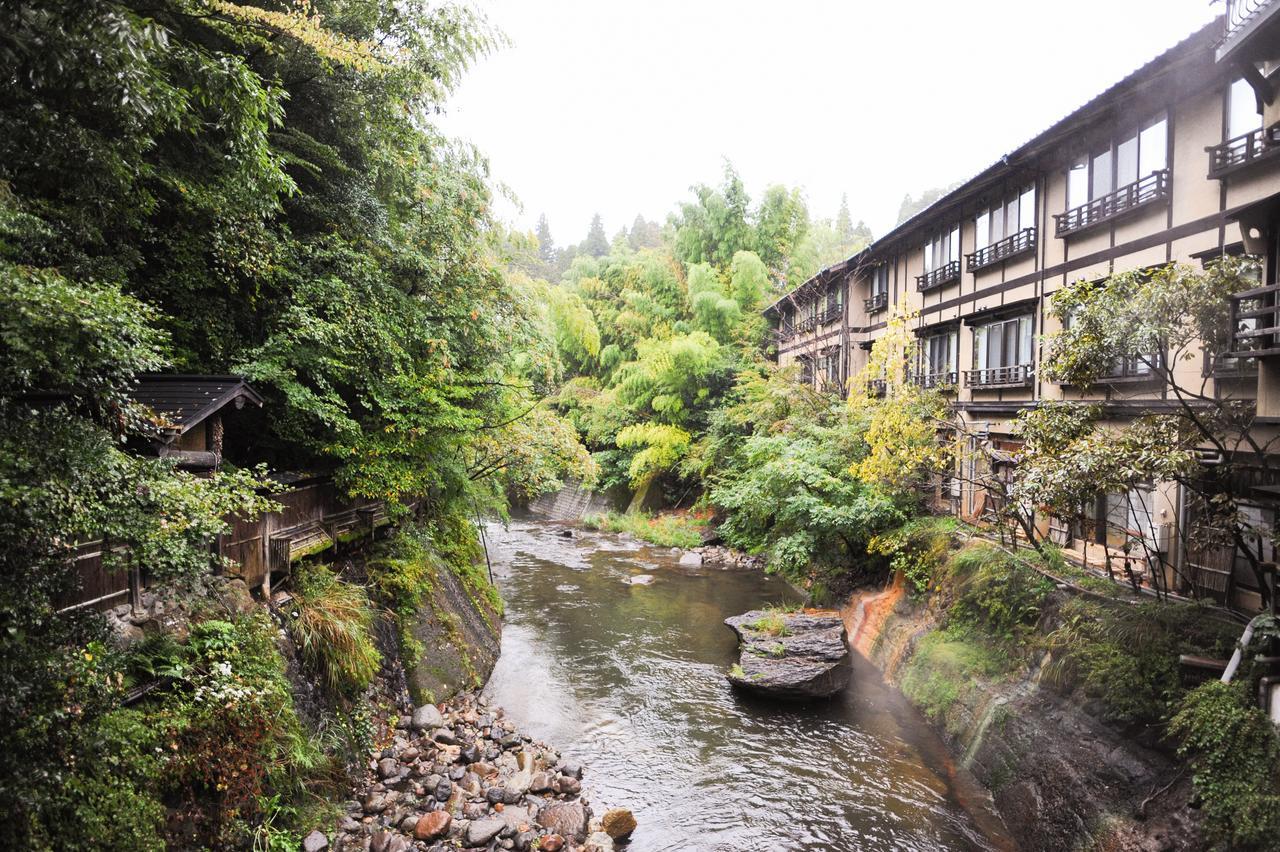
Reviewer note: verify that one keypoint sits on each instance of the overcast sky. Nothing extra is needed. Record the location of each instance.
(617, 108)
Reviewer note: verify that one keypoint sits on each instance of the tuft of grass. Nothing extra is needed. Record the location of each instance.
(771, 623)
(332, 623)
(665, 530)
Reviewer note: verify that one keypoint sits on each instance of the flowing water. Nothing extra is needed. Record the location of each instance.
(629, 680)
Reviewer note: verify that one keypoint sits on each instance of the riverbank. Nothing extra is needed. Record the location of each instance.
(462, 775)
(1062, 774)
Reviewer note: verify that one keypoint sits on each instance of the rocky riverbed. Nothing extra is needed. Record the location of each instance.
(461, 775)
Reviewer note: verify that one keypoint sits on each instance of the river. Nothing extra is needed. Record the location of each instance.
(629, 680)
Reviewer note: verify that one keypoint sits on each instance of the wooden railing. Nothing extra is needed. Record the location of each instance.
(1011, 246)
(313, 517)
(1153, 188)
(1242, 151)
(876, 302)
(1255, 322)
(943, 379)
(944, 274)
(1016, 375)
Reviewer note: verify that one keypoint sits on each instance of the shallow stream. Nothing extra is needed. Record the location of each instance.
(629, 680)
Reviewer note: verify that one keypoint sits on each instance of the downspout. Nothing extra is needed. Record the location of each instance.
(1238, 655)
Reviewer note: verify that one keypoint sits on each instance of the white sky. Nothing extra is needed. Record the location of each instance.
(618, 107)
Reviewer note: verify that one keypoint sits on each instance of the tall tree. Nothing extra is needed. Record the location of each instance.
(844, 222)
(546, 245)
(596, 244)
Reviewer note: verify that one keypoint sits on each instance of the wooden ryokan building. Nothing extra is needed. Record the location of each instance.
(1179, 161)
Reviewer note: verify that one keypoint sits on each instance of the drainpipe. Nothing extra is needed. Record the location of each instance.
(1245, 639)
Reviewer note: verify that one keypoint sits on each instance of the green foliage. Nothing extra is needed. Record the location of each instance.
(771, 623)
(1000, 594)
(660, 449)
(791, 497)
(665, 530)
(1234, 752)
(331, 623)
(945, 668)
(1127, 656)
(918, 549)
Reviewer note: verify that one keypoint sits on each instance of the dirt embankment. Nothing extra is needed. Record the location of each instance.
(1061, 778)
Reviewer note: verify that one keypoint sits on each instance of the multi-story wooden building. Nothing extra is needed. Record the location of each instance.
(1179, 161)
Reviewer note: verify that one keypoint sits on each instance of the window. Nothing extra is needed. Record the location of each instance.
(1124, 516)
(1135, 154)
(880, 280)
(942, 249)
(1078, 183)
(1242, 110)
(939, 352)
(1006, 217)
(1005, 343)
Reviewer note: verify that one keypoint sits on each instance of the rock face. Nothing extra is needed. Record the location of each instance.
(462, 634)
(794, 656)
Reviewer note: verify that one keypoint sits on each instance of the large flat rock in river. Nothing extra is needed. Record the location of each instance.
(794, 656)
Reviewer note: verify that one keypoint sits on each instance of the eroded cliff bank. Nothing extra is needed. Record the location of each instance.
(1061, 777)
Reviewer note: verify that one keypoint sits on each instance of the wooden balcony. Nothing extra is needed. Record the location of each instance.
(876, 303)
(1014, 376)
(1154, 188)
(944, 274)
(1250, 31)
(1244, 151)
(1255, 322)
(831, 314)
(1011, 246)
(945, 380)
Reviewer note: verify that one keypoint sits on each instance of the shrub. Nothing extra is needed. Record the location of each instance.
(1234, 753)
(945, 667)
(1127, 656)
(1000, 594)
(331, 623)
(917, 549)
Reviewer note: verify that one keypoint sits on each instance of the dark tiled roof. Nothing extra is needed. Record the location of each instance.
(184, 401)
(1198, 45)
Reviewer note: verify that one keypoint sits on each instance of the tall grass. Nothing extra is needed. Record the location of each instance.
(332, 625)
(665, 530)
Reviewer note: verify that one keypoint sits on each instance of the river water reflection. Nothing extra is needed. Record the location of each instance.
(629, 680)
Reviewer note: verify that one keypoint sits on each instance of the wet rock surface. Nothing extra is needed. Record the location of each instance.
(460, 776)
(794, 656)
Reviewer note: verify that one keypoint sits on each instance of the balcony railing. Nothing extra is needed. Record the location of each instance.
(877, 302)
(831, 314)
(1255, 322)
(1011, 246)
(942, 379)
(944, 274)
(1153, 188)
(1247, 21)
(877, 387)
(1253, 147)
(1014, 376)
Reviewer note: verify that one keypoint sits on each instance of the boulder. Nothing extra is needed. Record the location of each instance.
(692, 558)
(432, 825)
(315, 841)
(796, 656)
(618, 823)
(427, 718)
(482, 831)
(569, 819)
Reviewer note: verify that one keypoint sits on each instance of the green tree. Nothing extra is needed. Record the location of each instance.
(596, 244)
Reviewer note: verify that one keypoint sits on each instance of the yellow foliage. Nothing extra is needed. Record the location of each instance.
(903, 421)
(305, 26)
